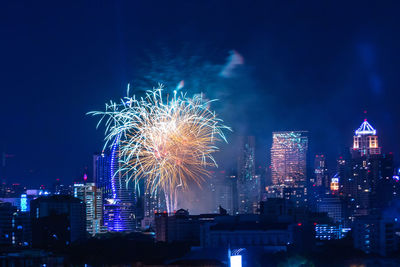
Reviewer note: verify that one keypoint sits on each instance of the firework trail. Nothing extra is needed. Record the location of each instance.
(167, 141)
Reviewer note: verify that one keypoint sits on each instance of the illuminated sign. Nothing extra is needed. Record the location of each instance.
(24, 203)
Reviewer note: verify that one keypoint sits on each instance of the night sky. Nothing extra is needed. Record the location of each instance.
(310, 65)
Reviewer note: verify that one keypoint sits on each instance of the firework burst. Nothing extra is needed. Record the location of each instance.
(167, 141)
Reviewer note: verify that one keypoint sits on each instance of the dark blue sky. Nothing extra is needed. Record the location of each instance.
(310, 65)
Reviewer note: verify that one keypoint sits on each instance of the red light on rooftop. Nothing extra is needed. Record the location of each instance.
(315, 223)
(299, 224)
(164, 211)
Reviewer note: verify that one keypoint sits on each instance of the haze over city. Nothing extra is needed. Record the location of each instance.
(208, 133)
(307, 66)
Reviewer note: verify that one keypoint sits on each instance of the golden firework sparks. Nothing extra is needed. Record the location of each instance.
(166, 142)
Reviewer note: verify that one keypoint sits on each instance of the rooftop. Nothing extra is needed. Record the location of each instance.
(365, 129)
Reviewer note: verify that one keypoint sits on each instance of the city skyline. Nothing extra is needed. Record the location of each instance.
(258, 153)
(199, 133)
(319, 76)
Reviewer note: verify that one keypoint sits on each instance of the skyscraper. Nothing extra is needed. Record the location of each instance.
(92, 197)
(119, 211)
(321, 172)
(365, 141)
(370, 170)
(248, 184)
(289, 164)
(222, 189)
(101, 174)
(347, 186)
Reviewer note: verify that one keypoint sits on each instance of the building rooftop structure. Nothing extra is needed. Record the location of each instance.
(365, 129)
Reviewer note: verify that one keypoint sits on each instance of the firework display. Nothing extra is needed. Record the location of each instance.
(166, 141)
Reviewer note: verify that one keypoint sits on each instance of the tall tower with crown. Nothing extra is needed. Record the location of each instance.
(365, 141)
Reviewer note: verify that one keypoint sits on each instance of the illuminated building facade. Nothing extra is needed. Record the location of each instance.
(152, 204)
(101, 174)
(289, 164)
(119, 210)
(321, 178)
(329, 231)
(335, 184)
(365, 141)
(248, 184)
(92, 197)
(370, 186)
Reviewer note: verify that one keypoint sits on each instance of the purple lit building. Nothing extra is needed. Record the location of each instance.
(119, 209)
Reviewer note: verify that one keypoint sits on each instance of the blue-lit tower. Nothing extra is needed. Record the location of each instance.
(119, 211)
(101, 174)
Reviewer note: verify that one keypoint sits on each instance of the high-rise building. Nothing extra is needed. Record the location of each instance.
(152, 204)
(248, 184)
(92, 197)
(101, 174)
(119, 211)
(289, 164)
(370, 168)
(57, 221)
(366, 180)
(365, 141)
(321, 172)
(319, 182)
(222, 189)
(347, 186)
